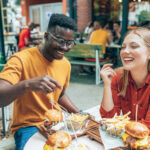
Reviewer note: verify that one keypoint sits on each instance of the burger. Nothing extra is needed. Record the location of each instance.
(136, 135)
(52, 116)
(57, 141)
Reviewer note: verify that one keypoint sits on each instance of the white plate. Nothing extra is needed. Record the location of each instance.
(109, 141)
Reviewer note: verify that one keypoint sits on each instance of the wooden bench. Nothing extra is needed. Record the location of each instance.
(81, 51)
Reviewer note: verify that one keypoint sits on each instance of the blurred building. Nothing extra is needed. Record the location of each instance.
(82, 11)
(39, 11)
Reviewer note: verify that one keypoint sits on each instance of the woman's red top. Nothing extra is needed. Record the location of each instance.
(133, 97)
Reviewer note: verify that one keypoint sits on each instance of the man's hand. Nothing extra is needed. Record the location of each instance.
(45, 84)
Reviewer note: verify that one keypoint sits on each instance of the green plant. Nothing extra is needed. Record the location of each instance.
(17, 2)
(143, 16)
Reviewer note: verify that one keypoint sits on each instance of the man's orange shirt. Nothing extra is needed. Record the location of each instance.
(99, 37)
(133, 97)
(25, 34)
(29, 108)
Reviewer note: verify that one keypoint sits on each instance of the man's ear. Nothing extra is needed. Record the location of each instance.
(45, 35)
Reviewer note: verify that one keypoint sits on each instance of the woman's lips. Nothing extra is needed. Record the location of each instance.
(127, 59)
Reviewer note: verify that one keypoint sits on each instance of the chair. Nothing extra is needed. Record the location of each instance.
(84, 50)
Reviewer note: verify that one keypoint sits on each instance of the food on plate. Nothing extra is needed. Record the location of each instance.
(78, 117)
(115, 126)
(54, 115)
(57, 141)
(77, 121)
(117, 119)
(52, 118)
(79, 147)
(136, 135)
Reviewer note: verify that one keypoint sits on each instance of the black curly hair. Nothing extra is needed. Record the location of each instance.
(62, 21)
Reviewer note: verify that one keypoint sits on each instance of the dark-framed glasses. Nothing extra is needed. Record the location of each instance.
(61, 42)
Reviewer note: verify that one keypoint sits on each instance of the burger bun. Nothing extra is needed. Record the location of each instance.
(54, 115)
(59, 139)
(136, 129)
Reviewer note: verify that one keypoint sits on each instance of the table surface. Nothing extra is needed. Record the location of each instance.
(37, 141)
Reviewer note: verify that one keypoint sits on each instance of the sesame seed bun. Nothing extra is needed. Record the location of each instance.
(136, 129)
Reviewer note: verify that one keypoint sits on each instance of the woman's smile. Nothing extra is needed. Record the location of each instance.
(128, 59)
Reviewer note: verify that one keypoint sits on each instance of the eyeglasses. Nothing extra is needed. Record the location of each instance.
(62, 42)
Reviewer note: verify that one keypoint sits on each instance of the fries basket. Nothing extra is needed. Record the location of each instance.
(77, 121)
(115, 126)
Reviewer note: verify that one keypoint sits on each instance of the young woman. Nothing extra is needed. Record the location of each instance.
(129, 89)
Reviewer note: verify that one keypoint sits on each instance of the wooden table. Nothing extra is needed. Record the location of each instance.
(37, 141)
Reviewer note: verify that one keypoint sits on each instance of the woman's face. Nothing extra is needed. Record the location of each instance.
(134, 53)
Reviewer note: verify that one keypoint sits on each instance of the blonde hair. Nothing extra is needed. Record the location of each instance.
(144, 34)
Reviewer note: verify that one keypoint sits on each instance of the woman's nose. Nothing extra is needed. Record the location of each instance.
(126, 50)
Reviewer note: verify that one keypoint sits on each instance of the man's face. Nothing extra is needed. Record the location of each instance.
(59, 42)
(96, 25)
(115, 27)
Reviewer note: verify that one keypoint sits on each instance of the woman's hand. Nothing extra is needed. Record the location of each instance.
(107, 73)
(45, 84)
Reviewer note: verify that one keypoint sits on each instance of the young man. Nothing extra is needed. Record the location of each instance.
(116, 33)
(25, 39)
(31, 78)
(100, 35)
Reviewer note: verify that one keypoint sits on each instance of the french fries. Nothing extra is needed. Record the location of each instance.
(78, 117)
(118, 119)
(116, 124)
